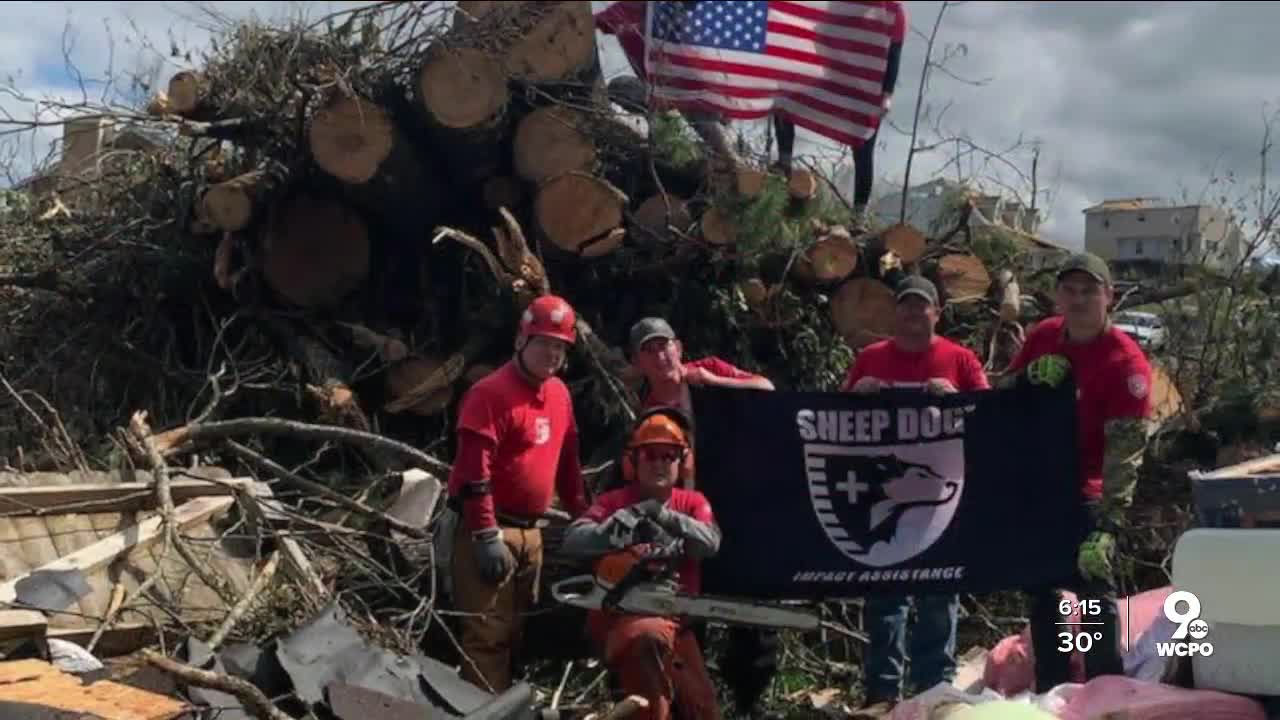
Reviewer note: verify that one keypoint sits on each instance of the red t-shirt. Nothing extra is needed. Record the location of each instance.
(689, 502)
(525, 440)
(626, 21)
(713, 365)
(1113, 380)
(890, 364)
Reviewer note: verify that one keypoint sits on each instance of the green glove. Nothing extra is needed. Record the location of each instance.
(1094, 558)
(1050, 370)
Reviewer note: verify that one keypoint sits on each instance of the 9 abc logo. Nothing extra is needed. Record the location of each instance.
(1189, 624)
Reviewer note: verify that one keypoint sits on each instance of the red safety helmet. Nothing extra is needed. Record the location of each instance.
(550, 316)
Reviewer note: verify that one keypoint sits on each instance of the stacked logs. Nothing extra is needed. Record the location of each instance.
(504, 128)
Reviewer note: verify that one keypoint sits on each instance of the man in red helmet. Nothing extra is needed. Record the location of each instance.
(657, 658)
(517, 446)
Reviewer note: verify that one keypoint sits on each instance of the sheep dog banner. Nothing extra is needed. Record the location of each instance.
(829, 495)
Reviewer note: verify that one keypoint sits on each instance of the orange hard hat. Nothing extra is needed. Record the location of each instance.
(659, 429)
(549, 316)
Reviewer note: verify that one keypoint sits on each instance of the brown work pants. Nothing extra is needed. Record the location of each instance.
(493, 628)
(658, 660)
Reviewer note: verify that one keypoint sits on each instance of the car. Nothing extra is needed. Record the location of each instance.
(1144, 327)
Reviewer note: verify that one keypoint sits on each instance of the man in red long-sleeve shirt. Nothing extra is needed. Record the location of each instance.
(517, 448)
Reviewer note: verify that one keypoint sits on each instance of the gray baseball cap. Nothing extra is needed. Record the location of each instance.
(648, 328)
(1089, 263)
(917, 285)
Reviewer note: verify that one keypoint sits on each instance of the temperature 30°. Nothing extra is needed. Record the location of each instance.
(1081, 641)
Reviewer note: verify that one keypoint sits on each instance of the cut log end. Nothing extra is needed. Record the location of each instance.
(906, 242)
(229, 205)
(718, 227)
(802, 185)
(832, 259)
(350, 138)
(316, 251)
(560, 45)
(184, 92)
(963, 276)
(862, 310)
(550, 141)
(463, 88)
(652, 214)
(409, 373)
(750, 181)
(574, 209)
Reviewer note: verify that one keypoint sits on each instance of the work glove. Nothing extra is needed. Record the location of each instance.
(1094, 558)
(494, 560)
(1048, 370)
(624, 527)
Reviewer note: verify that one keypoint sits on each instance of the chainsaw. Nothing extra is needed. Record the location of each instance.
(642, 582)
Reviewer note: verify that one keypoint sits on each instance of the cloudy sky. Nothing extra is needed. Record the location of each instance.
(1122, 98)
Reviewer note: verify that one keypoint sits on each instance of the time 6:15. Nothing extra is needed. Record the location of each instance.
(1086, 607)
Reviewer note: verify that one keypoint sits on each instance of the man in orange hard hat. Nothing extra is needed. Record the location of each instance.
(517, 447)
(657, 658)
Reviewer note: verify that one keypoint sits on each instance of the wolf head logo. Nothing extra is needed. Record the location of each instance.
(881, 506)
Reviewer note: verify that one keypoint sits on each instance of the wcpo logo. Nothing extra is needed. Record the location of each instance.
(1189, 637)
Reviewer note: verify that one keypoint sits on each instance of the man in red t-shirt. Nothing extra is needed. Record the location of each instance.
(1113, 385)
(915, 357)
(657, 658)
(517, 447)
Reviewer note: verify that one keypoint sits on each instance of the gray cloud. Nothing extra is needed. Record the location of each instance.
(1125, 98)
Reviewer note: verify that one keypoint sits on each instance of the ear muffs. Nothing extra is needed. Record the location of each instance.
(685, 422)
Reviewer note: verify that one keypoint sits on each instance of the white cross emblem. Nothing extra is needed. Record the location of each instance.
(852, 487)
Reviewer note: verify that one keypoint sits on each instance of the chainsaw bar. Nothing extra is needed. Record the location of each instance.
(583, 591)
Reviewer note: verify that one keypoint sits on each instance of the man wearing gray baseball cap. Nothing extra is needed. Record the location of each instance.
(752, 656)
(916, 357)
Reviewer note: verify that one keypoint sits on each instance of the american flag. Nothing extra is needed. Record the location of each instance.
(819, 64)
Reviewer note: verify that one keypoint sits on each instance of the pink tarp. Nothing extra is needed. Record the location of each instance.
(1113, 696)
(1010, 665)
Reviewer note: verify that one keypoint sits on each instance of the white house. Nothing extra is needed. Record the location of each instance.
(1145, 229)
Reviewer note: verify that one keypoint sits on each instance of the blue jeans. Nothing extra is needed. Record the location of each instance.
(933, 642)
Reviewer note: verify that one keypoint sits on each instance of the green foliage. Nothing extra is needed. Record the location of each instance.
(996, 246)
(676, 138)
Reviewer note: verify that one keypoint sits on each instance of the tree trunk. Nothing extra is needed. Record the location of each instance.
(355, 142)
(718, 227)
(463, 95)
(551, 141)
(651, 217)
(231, 205)
(963, 277)
(556, 52)
(409, 373)
(1010, 296)
(579, 214)
(802, 185)
(186, 94)
(832, 259)
(906, 242)
(315, 251)
(862, 311)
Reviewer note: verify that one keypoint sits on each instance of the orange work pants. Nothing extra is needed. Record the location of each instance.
(659, 660)
(491, 636)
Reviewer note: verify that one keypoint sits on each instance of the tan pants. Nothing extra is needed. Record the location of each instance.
(491, 638)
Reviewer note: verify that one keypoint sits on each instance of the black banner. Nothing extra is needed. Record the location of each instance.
(829, 495)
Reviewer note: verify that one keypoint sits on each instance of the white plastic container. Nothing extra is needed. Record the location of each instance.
(1235, 574)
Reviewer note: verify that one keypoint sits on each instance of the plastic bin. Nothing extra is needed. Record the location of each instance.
(1246, 495)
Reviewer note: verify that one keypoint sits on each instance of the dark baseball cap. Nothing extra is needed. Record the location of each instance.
(917, 285)
(649, 328)
(1089, 263)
